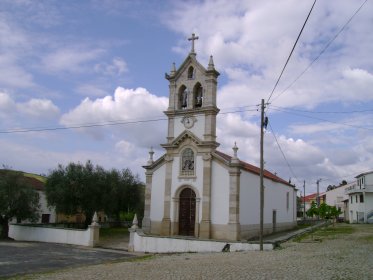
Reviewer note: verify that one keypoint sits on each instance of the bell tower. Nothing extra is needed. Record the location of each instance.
(192, 100)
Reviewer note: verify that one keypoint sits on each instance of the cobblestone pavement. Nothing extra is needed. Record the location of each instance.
(337, 256)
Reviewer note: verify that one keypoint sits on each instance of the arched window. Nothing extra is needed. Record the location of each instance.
(190, 72)
(187, 162)
(198, 96)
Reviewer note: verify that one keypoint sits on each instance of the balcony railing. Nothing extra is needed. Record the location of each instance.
(353, 188)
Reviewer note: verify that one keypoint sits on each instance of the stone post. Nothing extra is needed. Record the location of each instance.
(94, 232)
(133, 230)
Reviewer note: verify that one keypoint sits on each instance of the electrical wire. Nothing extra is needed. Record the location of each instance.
(292, 50)
(322, 112)
(322, 51)
(107, 123)
(283, 154)
(325, 120)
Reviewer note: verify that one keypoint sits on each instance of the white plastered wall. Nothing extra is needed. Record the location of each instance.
(198, 128)
(219, 194)
(275, 198)
(157, 196)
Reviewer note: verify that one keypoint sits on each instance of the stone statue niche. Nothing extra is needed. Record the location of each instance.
(183, 98)
(198, 96)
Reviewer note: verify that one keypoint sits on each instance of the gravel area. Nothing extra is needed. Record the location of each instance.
(336, 256)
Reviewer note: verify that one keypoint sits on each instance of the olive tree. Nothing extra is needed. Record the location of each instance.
(17, 199)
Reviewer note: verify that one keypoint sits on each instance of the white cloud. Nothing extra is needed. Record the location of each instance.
(13, 75)
(40, 108)
(251, 40)
(127, 105)
(33, 109)
(40, 160)
(116, 68)
(70, 59)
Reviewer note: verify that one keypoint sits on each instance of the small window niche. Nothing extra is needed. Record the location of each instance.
(190, 73)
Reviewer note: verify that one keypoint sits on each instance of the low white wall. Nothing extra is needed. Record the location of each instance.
(152, 244)
(88, 237)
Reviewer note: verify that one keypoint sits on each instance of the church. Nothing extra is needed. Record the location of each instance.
(194, 189)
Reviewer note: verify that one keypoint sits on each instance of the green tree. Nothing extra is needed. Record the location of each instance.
(76, 188)
(17, 199)
(126, 194)
(313, 211)
(85, 189)
(334, 213)
(324, 211)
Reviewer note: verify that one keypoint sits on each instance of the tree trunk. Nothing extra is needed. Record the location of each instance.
(4, 228)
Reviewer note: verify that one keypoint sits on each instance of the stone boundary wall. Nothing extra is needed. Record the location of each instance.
(139, 242)
(24, 232)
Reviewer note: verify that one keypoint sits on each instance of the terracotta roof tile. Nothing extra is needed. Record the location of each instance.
(256, 170)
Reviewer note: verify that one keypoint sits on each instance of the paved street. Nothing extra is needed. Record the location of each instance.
(31, 257)
(346, 254)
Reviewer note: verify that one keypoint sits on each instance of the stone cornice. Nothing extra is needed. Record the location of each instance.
(203, 110)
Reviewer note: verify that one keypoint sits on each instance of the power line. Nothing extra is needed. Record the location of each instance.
(283, 154)
(107, 123)
(323, 112)
(322, 51)
(77, 126)
(296, 41)
(321, 119)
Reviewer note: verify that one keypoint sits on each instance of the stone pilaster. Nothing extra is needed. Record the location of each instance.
(205, 226)
(166, 221)
(234, 203)
(148, 195)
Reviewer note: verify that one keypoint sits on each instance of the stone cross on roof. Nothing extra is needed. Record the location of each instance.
(194, 37)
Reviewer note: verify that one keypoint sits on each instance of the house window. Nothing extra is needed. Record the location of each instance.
(356, 198)
(351, 199)
(361, 198)
(187, 162)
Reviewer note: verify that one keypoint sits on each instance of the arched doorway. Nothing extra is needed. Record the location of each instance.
(187, 212)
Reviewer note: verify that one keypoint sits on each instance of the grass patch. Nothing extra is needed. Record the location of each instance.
(113, 232)
(368, 239)
(329, 232)
(333, 230)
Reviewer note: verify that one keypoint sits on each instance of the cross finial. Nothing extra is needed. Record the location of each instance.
(194, 37)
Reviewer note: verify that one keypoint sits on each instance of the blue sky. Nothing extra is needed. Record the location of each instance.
(73, 63)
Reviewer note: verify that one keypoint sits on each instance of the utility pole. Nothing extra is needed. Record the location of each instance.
(261, 176)
(318, 196)
(304, 199)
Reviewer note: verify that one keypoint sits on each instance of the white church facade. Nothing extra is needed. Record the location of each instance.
(196, 190)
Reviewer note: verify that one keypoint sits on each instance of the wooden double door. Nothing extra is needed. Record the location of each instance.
(187, 212)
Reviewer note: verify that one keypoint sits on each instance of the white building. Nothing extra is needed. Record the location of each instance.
(336, 197)
(360, 199)
(195, 190)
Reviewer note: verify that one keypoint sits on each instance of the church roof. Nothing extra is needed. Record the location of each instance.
(254, 169)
